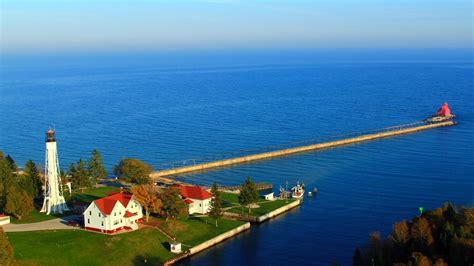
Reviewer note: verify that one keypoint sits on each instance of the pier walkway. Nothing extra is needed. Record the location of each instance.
(193, 165)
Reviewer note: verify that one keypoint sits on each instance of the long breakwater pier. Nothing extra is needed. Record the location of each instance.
(220, 160)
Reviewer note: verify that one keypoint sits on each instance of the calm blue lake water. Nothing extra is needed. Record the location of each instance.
(166, 108)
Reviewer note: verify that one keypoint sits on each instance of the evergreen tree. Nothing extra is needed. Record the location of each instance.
(6, 250)
(33, 179)
(79, 175)
(357, 259)
(96, 168)
(173, 206)
(215, 209)
(11, 163)
(136, 171)
(248, 193)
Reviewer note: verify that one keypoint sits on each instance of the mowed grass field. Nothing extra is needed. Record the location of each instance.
(264, 206)
(79, 247)
(89, 195)
(195, 230)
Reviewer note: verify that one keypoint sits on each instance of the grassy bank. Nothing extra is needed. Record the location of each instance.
(231, 201)
(265, 207)
(195, 230)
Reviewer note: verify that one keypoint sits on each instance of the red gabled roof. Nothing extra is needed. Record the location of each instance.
(193, 192)
(128, 214)
(106, 205)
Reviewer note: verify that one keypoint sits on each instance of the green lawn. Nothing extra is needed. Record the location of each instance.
(35, 216)
(93, 193)
(195, 230)
(89, 195)
(265, 207)
(78, 247)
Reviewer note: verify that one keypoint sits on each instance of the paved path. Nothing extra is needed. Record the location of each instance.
(59, 223)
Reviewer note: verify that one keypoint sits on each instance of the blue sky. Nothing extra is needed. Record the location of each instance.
(146, 25)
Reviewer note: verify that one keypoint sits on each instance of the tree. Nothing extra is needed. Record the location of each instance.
(374, 250)
(18, 202)
(357, 259)
(173, 205)
(133, 169)
(215, 209)
(148, 198)
(12, 164)
(80, 176)
(96, 168)
(6, 250)
(32, 179)
(6, 180)
(248, 193)
(421, 233)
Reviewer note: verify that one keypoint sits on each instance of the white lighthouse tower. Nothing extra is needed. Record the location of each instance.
(53, 194)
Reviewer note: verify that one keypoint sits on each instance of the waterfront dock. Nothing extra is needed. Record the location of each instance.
(375, 134)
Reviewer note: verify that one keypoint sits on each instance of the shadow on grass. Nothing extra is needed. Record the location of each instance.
(146, 259)
(166, 245)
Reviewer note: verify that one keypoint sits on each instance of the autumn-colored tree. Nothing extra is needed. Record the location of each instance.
(215, 209)
(148, 198)
(421, 233)
(136, 171)
(6, 250)
(173, 205)
(398, 240)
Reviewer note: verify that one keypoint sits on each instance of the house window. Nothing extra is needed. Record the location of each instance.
(116, 222)
(115, 214)
(99, 214)
(102, 223)
(88, 221)
(90, 212)
(199, 204)
(120, 220)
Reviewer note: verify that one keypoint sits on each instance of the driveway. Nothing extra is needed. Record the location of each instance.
(59, 223)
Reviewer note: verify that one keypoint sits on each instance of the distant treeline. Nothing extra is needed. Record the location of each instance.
(439, 237)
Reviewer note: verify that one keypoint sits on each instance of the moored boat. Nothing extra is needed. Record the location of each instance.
(297, 191)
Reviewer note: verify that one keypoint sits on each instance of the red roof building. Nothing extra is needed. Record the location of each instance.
(444, 110)
(113, 213)
(198, 199)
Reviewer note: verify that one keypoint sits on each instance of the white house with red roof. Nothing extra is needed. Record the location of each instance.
(197, 199)
(113, 213)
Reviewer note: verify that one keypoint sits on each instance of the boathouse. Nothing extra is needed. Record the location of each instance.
(113, 213)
